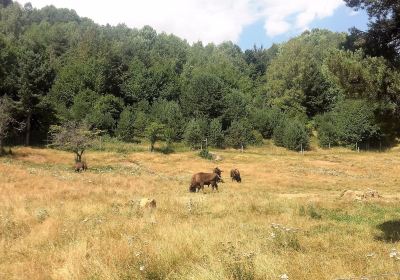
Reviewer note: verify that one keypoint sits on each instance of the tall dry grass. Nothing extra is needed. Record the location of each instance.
(58, 224)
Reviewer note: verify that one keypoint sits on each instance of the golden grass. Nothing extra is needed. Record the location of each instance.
(58, 224)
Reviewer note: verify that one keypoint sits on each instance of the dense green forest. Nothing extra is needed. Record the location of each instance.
(132, 84)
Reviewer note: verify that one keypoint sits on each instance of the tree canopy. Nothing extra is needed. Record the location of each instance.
(57, 67)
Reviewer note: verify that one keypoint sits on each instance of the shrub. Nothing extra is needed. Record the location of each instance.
(266, 120)
(193, 134)
(216, 134)
(126, 126)
(205, 154)
(154, 132)
(292, 134)
(257, 138)
(239, 134)
(327, 130)
(351, 122)
(296, 136)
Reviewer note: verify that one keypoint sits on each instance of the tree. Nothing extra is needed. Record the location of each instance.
(35, 79)
(6, 119)
(154, 132)
(105, 113)
(5, 3)
(170, 115)
(350, 123)
(216, 134)
(355, 120)
(383, 36)
(203, 95)
(194, 135)
(292, 134)
(327, 130)
(266, 120)
(126, 125)
(8, 67)
(240, 134)
(295, 80)
(72, 137)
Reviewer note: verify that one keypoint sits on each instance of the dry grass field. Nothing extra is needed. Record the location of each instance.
(58, 224)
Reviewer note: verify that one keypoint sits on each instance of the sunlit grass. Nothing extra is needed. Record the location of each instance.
(58, 224)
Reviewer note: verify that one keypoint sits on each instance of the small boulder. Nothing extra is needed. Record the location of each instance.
(148, 203)
(216, 157)
(359, 195)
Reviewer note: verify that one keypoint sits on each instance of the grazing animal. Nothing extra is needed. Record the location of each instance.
(201, 179)
(235, 175)
(80, 166)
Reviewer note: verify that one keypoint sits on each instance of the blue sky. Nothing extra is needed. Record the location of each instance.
(341, 21)
(244, 22)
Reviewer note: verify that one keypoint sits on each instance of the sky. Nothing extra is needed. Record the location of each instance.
(244, 22)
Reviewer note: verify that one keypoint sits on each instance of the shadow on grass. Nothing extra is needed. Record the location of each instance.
(390, 231)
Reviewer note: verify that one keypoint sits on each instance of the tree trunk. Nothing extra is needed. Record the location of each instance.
(79, 156)
(28, 129)
(152, 147)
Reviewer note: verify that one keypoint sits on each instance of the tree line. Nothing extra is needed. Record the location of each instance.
(58, 68)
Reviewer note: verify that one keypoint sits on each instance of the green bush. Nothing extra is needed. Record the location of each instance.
(239, 134)
(257, 138)
(216, 134)
(350, 123)
(193, 134)
(126, 126)
(266, 120)
(327, 130)
(292, 134)
(205, 154)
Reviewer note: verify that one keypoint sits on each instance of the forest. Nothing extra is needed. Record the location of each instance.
(136, 84)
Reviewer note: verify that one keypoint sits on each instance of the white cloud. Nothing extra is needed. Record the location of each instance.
(205, 20)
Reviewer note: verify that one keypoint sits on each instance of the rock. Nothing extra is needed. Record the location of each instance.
(359, 195)
(216, 157)
(148, 203)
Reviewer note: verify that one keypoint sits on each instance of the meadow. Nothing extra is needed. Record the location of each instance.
(286, 218)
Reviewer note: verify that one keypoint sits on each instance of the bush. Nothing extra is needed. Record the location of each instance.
(292, 134)
(327, 130)
(266, 120)
(239, 134)
(193, 134)
(216, 134)
(205, 154)
(126, 126)
(154, 132)
(169, 114)
(257, 138)
(351, 122)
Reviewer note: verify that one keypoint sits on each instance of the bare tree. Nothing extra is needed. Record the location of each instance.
(72, 137)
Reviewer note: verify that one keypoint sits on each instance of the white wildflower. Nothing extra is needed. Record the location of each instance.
(141, 268)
